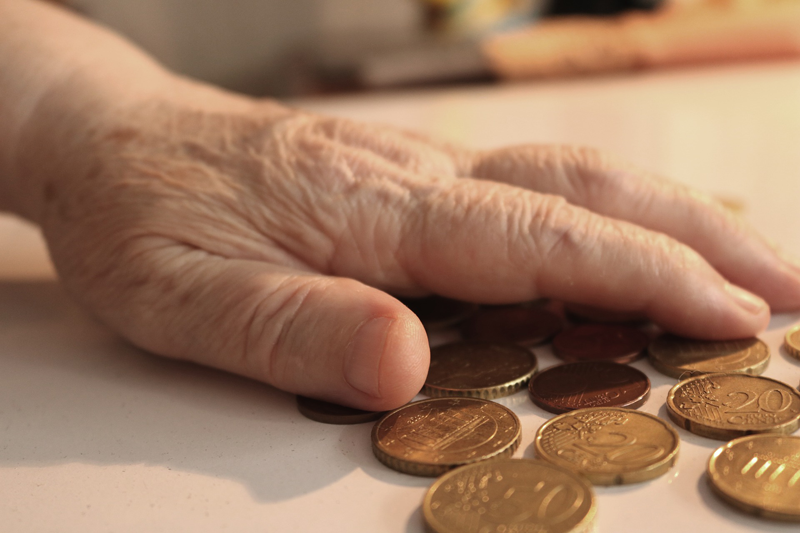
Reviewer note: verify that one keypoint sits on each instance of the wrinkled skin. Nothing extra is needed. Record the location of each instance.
(264, 240)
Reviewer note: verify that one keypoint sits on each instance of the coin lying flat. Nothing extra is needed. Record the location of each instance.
(792, 342)
(429, 437)
(726, 406)
(478, 370)
(438, 312)
(509, 495)
(600, 342)
(571, 386)
(526, 326)
(331, 413)
(678, 357)
(609, 445)
(759, 474)
(584, 313)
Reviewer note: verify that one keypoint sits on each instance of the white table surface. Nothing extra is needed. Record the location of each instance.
(98, 436)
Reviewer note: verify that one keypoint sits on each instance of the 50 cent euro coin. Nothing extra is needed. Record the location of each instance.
(608, 445)
(430, 437)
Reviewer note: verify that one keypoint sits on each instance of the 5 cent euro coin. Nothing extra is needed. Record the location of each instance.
(571, 386)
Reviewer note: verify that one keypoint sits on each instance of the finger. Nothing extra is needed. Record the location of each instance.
(491, 242)
(610, 187)
(409, 151)
(325, 337)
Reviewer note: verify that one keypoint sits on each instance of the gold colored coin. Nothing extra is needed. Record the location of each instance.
(478, 369)
(429, 437)
(726, 406)
(678, 357)
(759, 474)
(609, 445)
(792, 342)
(509, 495)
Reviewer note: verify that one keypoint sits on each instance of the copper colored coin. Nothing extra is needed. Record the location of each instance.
(438, 312)
(331, 413)
(478, 369)
(587, 313)
(526, 326)
(600, 342)
(571, 386)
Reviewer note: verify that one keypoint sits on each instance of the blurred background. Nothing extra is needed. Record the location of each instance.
(292, 48)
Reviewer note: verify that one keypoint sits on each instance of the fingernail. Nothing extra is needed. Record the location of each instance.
(362, 367)
(746, 300)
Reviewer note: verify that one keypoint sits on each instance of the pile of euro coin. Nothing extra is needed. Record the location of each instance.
(596, 435)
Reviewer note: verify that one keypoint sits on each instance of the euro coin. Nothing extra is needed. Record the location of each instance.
(438, 312)
(609, 445)
(792, 342)
(526, 326)
(331, 413)
(571, 386)
(509, 495)
(478, 370)
(587, 313)
(678, 357)
(600, 342)
(726, 406)
(429, 437)
(759, 474)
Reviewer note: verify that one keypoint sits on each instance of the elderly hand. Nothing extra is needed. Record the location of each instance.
(265, 241)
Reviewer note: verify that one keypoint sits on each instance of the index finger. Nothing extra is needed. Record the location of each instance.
(491, 242)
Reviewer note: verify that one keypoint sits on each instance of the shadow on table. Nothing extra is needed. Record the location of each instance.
(71, 391)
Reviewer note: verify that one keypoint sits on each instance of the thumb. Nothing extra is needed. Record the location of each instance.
(326, 337)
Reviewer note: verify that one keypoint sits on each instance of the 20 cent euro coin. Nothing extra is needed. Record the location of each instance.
(726, 406)
(680, 358)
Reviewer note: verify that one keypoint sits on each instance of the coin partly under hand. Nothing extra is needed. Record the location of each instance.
(609, 445)
(478, 369)
(678, 357)
(509, 495)
(526, 326)
(759, 474)
(726, 406)
(587, 313)
(792, 342)
(571, 386)
(429, 437)
(438, 312)
(331, 413)
(600, 342)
